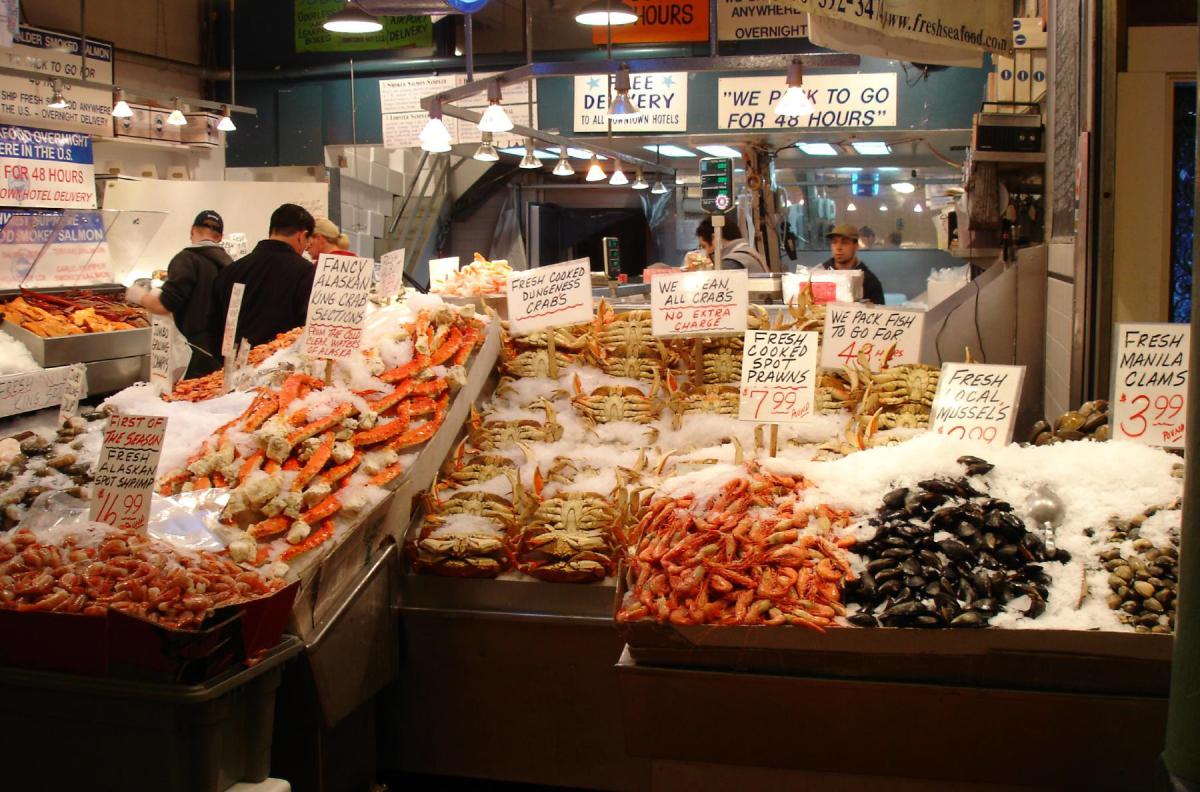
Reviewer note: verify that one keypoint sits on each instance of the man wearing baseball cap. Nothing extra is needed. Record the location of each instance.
(187, 293)
(843, 243)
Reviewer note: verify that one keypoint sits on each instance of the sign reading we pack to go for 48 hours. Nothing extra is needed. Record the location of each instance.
(853, 330)
(1150, 382)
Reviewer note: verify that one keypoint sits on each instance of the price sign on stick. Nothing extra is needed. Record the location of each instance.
(126, 470)
(550, 296)
(440, 271)
(1150, 382)
(31, 390)
(391, 274)
(699, 303)
(244, 371)
(779, 369)
(231, 319)
(337, 306)
(162, 335)
(853, 330)
(977, 402)
(74, 389)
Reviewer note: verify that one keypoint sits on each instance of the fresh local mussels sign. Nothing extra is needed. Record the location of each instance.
(43, 168)
(1150, 383)
(759, 20)
(46, 54)
(841, 100)
(977, 402)
(661, 96)
(398, 31)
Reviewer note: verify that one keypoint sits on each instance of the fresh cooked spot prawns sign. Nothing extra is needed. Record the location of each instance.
(1150, 382)
(126, 470)
(977, 402)
(337, 306)
(552, 296)
(852, 330)
(779, 369)
(699, 303)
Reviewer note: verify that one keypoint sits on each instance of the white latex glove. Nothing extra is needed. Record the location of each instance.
(134, 294)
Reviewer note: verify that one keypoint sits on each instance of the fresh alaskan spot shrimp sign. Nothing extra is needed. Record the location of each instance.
(337, 306)
(779, 369)
(552, 296)
(852, 330)
(1150, 383)
(977, 402)
(126, 470)
(699, 303)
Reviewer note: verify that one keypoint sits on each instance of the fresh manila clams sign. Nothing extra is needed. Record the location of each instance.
(1150, 383)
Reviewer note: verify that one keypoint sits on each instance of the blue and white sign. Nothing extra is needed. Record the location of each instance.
(46, 169)
(661, 96)
(47, 54)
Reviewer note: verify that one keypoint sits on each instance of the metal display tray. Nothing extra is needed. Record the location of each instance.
(83, 348)
(109, 376)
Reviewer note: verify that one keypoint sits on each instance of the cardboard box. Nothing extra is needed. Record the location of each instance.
(136, 126)
(1005, 80)
(201, 129)
(1023, 81)
(1040, 77)
(160, 129)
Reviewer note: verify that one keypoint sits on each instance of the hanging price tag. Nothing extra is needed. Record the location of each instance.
(853, 330)
(779, 369)
(162, 335)
(125, 473)
(391, 274)
(74, 389)
(244, 371)
(1150, 382)
(976, 401)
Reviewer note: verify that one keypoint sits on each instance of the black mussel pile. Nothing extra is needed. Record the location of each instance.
(945, 554)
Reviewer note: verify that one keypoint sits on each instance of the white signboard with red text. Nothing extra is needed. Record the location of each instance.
(46, 169)
(699, 303)
(1150, 383)
(779, 376)
(124, 478)
(977, 401)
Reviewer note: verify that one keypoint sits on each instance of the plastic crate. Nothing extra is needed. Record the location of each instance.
(79, 732)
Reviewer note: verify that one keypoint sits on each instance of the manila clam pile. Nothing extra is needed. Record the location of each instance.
(1143, 581)
(946, 554)
(1089, 422)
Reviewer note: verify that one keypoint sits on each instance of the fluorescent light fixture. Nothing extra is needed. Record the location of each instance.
(563, 166)
(883, 207)
(121, 108)
(903, 187)
(659, 188)
(352, 19)
(818, 149)
(640, 182)
(595, 173)
(177, 118)
(849, 169)
(717, 150)
(887, 170)
(871, 148)
(622, 106)
(57, 100)
(600, 14)
(486, 151)
(434, 137)
(618, 178)
(850, 207)
(669, 150)
(494, 118)
(795, 101)
(226, 123)
(918, 208)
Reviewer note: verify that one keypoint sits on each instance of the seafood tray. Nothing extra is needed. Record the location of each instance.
(64, 350)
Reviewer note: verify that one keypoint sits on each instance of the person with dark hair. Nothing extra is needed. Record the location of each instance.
(278, 280)
(736, 253)
(843, 243)
(866, 237)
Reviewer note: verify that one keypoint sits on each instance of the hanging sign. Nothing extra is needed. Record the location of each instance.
(397, 32)
(162, 337)
(759, 20)
(235, 244)
(124, 477)
(661, 96)
(982, 26)
(779, 371)
(231, 319)
(552, 296)
(854, 330)
(1150, 383)
(977, 401)
(337, 306)
(46, 54)
(659, 21)
(391, 274)
(46, 168)
(404, 95)
(841, 100)
(402, 130)
(441, 270)
(699, 303)
(32, 390)
(74, 389)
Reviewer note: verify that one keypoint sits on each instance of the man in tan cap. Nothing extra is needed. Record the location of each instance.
(843, 243)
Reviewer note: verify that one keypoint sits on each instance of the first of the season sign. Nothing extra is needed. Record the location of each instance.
(1150, 383)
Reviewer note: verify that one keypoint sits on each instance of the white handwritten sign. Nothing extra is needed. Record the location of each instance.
(440, 271)
(841, 100)
(1150, 382)
(32, 390)
(235, 244)
(74, 389)
(245, 372)
(162, 335)
(552, 296)
(337, 306)
(391, 274)
(231, 319)
(126, 470)
(661, 96)
(977, 401)
(853, 330)
(779, 370)
(699, 303)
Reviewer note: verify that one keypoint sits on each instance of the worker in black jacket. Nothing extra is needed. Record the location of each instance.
(278, 279)
(187, 293)
(843, 243)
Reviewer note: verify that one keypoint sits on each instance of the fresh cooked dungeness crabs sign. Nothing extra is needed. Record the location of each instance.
(552, 296)
(699, 303)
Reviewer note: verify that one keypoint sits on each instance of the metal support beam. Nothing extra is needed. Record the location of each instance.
(158, 95)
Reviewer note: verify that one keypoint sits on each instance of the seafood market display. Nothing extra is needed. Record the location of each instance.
(478, 278)
(1089, 422)
(1142, 570)
(210, 385)
(32, 464)
(72, 313)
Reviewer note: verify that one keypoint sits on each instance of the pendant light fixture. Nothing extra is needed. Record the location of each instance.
(883, 207)
(352, 19)
(121, 108)
(850, 207)
(639, 182)
(905, 187)
(594, 172)
(659, 188)
(486, 151)
(57, 100)
(618, 178)
(529, 161)
(563, 166)
(435, 138)
(494, 119)
(795, 101)
(622, 106)
(604, 12)
(918, 208)
(226, 123)
(177, 118)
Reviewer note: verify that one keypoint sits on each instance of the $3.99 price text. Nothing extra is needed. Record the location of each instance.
(776, 402)
(122, 510)
(1161, 412)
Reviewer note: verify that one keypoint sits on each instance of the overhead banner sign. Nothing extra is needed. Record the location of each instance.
(403, 118)
(46, 169)
(46, 55)
(841, 101)
(398, 31)
(661, 96)
(404, 95)
(759, 20)
(659, 21)
(844, 37)
(981, 26)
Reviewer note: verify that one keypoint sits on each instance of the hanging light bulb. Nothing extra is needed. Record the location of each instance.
(226, 123)
(563, 166)
(883, 207)
(600, 14)
(494, 118)
(622, 105)
(121, 108)
(57, 100)
(850, 207)
(177, 118)
(918, 208)
(529, 162)
(486, 151)
(618, 178)
(594, 172)
(434, 137)
(659, 188)
(640, 183)
(352, 19)
(795, 101)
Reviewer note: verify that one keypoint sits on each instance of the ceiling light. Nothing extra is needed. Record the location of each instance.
(618, 178)
(529, 161)
(563, 167)
(601, 13)
(494, 118)
(883, 207)
(57, 100)
(519, 151)
(177, 118)
(226, 123)
(659, 188)
(850, 207)
(668, 150)
(918, 208)
(795, 101)
(871, 148)
(903, 187)
(849, 169)
(716, 150)
(595, 173)
(435, 138)
(121, 108)
(352, 19)
(818, 149)
(887, 170)
(640, 183)
(622, 106)
(486, 151)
